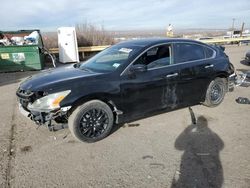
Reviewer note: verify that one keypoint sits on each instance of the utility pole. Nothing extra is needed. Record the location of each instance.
(233, 24)
(242, 28)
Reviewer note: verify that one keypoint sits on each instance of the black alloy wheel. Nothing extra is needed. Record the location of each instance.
(215, 92)
(91, 121)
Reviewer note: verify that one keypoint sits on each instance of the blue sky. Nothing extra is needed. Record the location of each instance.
(123, 14)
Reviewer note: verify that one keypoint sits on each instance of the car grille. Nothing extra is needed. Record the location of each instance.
(24, 94)
(24, 97)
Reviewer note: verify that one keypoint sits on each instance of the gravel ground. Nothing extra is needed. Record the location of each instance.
(166, 150)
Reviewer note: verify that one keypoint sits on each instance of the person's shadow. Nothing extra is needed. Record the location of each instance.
(200, 164)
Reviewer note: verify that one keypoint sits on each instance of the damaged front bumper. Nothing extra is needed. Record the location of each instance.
(45, 118)
(40, 107)
(23, 111)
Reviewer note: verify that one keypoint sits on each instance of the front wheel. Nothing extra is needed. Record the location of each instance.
(215, 92)
(91, 121)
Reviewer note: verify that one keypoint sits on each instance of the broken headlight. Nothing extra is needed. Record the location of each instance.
(49, 102)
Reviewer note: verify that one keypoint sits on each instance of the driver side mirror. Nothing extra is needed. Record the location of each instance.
(138, 68)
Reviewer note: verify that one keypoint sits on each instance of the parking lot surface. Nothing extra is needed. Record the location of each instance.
(166, 150)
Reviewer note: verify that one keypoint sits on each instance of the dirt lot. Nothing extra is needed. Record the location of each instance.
(160, 151)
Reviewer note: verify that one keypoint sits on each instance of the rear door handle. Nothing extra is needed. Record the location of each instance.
(172, 75)
(209, 66)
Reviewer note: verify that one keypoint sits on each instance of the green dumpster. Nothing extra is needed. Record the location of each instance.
(21, 57)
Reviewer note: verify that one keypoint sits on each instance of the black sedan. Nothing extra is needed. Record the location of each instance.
(127, 81)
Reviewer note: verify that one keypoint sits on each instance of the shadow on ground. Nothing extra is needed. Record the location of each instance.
(200, 163)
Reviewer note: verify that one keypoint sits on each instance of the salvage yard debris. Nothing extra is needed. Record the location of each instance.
(19, 39)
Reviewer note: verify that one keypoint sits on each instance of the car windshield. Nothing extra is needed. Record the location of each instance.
(110, 59)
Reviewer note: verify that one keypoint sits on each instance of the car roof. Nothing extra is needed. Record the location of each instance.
(153, 41)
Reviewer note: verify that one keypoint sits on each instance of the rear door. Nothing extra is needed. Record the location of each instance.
(196, 64)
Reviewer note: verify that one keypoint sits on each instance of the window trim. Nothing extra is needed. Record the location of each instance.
(172, 54)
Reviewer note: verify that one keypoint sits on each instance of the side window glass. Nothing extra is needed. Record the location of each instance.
(156, 57)
(188, 52)
(209, 52)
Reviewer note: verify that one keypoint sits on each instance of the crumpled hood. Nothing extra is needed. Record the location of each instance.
(49, 78)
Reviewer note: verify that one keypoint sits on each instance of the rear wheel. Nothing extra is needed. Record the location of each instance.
(91, 121)
(215, 92)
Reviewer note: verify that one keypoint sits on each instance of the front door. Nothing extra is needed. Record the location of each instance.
(154, 88)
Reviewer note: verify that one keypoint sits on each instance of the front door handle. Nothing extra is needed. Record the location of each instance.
(209, 66)
(172, 75)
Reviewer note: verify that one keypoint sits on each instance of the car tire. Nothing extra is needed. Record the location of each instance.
(215, 92)
(91, 121)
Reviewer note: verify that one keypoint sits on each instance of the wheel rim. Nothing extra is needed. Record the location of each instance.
(93, 123)
(216, 93)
